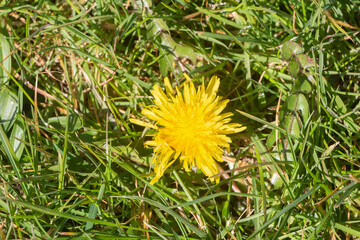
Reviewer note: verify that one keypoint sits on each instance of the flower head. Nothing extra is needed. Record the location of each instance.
(190, 127)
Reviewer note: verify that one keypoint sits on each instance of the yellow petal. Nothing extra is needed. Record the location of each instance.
(159, 95)
(209, 169)
(232, 128)
(150, 114)
(151, 143)
(142, 123)
(213, 85)
(220, 107)
(155, 179)
(161, 164)
(187, 77)
(168, 87)
(186, 93)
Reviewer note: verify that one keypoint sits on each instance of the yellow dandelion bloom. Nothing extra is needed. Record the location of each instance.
(189, 127)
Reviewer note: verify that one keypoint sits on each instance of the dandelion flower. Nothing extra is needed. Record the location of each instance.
(189, 127)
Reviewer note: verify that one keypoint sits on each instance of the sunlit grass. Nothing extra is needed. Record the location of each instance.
(74, 72)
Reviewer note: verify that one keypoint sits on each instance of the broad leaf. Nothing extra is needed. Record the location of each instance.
(4, 53)
(61, 122)
(8, 108)
(18, 132)
(289, 49)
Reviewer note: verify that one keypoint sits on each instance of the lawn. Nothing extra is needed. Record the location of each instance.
(179, 119)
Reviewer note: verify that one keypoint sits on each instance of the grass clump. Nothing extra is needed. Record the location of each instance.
(74, 72)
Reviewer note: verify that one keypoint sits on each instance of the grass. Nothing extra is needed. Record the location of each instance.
(73, 73)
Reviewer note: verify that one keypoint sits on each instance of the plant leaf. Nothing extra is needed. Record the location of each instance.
(8, 108)
(289, 49)
(4, 53)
